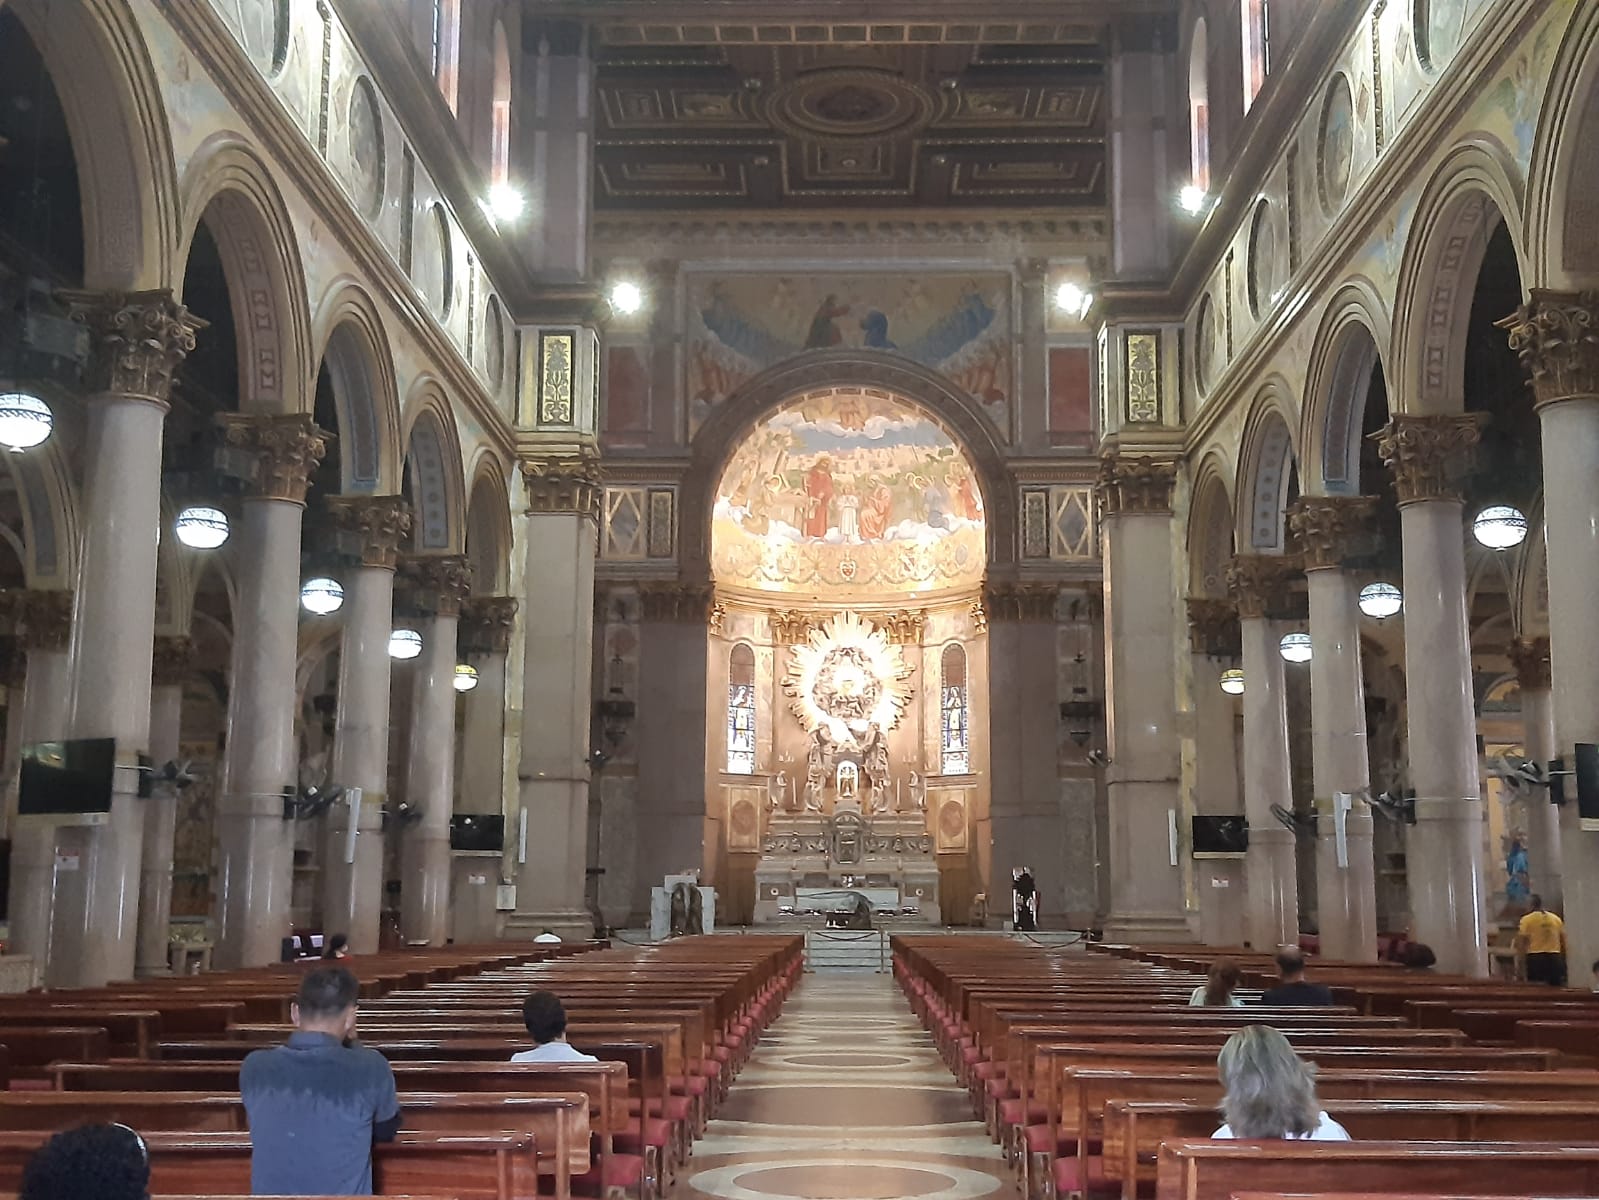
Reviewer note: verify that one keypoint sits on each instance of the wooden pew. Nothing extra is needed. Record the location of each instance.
(31, 1049)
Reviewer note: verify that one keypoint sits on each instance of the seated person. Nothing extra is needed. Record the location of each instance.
(545, 1019)
(94, 1162)
(1270, 1092)
(1218, 990)
(337, 946)
(1293, 987)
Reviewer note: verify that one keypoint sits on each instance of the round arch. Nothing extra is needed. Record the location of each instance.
(1460, 208)
(1266, 469)
(43, 479)
(433, 459)
(488, 526)
(1531, 591)
(1350, 343)
(354, 347)
(231, 190)
(733, 418)
(1210, 529)
(1563, 176)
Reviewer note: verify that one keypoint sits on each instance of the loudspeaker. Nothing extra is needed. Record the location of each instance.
(1587, 765)
(1557, 781)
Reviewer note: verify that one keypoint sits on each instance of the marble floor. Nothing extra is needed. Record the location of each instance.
(845, 1099)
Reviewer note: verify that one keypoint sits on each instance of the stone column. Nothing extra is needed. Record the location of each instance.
(1346, 897)
(137, 341)
(1444, 850)
(557, 147)
(484, 636)
(1215, 639)
(1259, 583)
(1147, 900)
(438, 584)
(371, 529)
(562, 520)
(1557, 336)
(1031, 417)
(254, 841)
(173, 658)
(1531, 658)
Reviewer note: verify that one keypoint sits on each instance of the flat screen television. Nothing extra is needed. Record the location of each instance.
(1220, 837)
(477, 831)
(67, 778)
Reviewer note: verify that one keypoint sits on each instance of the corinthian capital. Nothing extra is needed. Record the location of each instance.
(1430, 456)
(137, 340)
(439, 583)
(1330, 528)
(486, 624)
(285, 448)
(1135, 485)
(1557, 336)
(171, 660)
(679, 602)
(1259, 583)
(1021, 601)
(41, 619)
(1530, 657)
(375, 526)
(563, 484)
(1213, 626)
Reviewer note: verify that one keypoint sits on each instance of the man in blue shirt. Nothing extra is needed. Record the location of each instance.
(317, 1103)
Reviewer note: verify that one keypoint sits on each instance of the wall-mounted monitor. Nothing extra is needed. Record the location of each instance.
(67, 778)
(1220, 836)
(480, 832)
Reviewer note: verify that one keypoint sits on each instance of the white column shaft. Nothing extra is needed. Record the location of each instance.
(430, 786)
(160, 824)
(1273, 909)
(1543, 835)
(33, 850)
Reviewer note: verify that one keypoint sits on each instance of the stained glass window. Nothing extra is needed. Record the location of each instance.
(741, 711)
(955, 744)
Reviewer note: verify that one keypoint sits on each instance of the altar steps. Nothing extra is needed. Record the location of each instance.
(840, 950)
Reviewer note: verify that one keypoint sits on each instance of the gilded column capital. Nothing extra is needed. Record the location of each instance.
(1556, 334)
(285, 447)
(1430, 456)
(1128, 484)
(1530, 657)
(683, 603)
(438, 583)
(375, 527)
(979, 615)
(172, 660)
(1328, 528)
(564, 484)
(1259, 583)
(791, 626)
(1213, 626)
(904, 627)
(486, 624)
(40, 619)
(1021, 601)
(137, 340)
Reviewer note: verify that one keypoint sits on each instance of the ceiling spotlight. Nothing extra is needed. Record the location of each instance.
(627, 297)
(405, 644)
(1381, 600)
(321, 596)
(1192, 198)
(1071, 298)
(1500, 527)
(1295, 647)
(505, 203)
(1232, 682)
(465, 677)
(201, 528)
(25, 420)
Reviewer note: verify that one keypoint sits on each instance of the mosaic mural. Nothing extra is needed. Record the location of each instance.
(738, 325)
(848, 491)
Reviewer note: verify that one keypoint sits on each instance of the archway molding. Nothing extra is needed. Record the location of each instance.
(1351, 341)
(1210, 528)
(353, 345)
(488, 525)
(433, 454)
(1266, 466)
(49, 503)
(1563, 176)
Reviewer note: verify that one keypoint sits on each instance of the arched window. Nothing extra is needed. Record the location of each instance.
(1257, 48)
(741, 711)
(954, 734)
(446, 47)
(1199, 106)
(500, 145)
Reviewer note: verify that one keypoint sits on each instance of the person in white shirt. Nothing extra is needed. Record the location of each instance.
(545, 1018)
(1219, 989)
(1270, 1090)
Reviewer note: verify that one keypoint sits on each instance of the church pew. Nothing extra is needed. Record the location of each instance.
(1300, 1195)
(1577, 1039)
(32, 1048)
(1211, 1170)
(135, 1033)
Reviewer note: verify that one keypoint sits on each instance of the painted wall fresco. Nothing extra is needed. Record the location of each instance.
(738, 325)
(847, 491)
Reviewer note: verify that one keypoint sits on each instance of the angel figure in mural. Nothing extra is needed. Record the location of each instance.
(824, 332)
(777, 792)
(816, 762)
(918, 791)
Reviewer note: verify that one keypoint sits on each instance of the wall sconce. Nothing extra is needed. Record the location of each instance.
(1079, 714)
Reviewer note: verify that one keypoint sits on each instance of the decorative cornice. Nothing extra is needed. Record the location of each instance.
(1327, 528)
(1557, 336)
(137, 340)
(172, 660)
(565, 484)
(40, 619)
(904, 627)
(1259, 583)
(376, 526)
(486, 624)
(1213, 626)
(1430, 456)
(286, 448)
(615, 233)
(438, 583)
(1135, 484)
(791, 626)
(1530, 657)
(681, 603)
(1021, 601)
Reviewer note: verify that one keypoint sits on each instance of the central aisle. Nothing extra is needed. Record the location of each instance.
(846, 1099)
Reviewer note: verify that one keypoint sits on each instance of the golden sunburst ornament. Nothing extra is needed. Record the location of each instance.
(850, 678)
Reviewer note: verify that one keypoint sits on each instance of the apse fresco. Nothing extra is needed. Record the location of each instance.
(738, 325)
(848, 491)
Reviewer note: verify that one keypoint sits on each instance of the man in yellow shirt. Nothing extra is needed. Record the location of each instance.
(1542, 938)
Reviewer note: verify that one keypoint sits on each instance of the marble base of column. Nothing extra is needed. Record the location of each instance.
(160, 823)
(1272, 915)
(1444, 856)
(1146, 890)
(1346, 897)
(95, 928)
(255, 854)
(425, 891)
(352, 892)
(32, 902)
(549, 886)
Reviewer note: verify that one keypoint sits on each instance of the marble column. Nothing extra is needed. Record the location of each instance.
(1346, 896)
(556, 149)
(254, 841)
(44, 627)
(1259, 584)
(137, 341)
(1031, 413)
(1531, 658)
(373, 528)
(1147, 901)
(484, 636)
(1555, 334)
(562, 520)
(1428, 456)
(1216, 643)
(438, 584)
(173, 658)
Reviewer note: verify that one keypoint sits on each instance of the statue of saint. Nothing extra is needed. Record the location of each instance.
(877, 770)
(816, 763)
(918, 790)
(777, 792)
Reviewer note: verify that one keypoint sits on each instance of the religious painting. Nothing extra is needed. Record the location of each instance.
(1337, 139)
(627, 393)
(845, 490)
(365, 130)
(262, 27)
(738, 325)
(1071, 388)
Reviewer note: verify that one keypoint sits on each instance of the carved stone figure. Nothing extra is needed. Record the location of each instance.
(877, 770)
(849, 778)
(817, 760)
(777, 792)
(918, 791)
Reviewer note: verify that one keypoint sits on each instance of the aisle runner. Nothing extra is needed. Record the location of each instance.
(846, 1099)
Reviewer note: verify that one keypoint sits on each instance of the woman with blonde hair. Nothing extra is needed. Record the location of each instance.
(1220, 987)
(1270, 1092)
